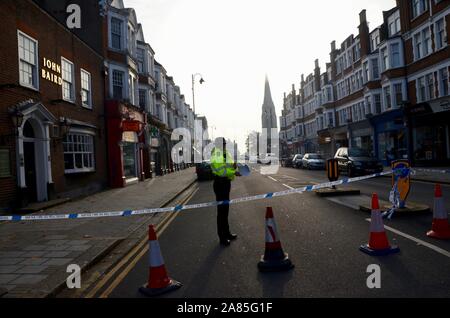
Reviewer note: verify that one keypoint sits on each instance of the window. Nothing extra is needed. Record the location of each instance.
(421, 95)
(366, 71)
(387, 98)
(394, 23)
(86, 95)
(131, 40)
(78, 153)
(68, 87)
(430, 86)
(118, 84)
(131, 86)
(417, 46)
(375, 69)
(116, 33)
(419, 7)
(368, 105)
(143, 98)
(5, 163)
(377, 99)
(440, 34)
(398, 93)
(384, 59)
(28, 56)
(426, 42)
(443, 82)
(140, 60)
(395, 55)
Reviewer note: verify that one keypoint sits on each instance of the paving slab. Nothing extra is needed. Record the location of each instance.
(45, 248)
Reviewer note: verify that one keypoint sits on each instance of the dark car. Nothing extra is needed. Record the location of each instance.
(357, 161)
(313, 161)
(297, 161)
(204, 171)
(287, 162)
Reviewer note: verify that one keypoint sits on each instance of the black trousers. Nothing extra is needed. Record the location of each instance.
(222, 187)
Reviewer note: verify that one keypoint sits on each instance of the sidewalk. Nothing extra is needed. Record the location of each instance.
(34, 254)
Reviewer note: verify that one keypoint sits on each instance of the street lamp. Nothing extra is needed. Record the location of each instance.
(201, 81)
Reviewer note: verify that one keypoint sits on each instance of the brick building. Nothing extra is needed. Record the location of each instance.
(53, 141)
(387, 90)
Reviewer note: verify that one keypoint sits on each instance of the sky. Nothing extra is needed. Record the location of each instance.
(235, 43)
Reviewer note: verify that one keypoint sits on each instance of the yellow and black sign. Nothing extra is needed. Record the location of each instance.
(401, 175)
(332, 170)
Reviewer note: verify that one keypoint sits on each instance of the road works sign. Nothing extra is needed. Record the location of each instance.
(401, 176)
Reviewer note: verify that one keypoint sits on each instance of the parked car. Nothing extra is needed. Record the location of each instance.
(357, 161)
(313, 161)
(287, 162)
(204, 171)
(297, 161)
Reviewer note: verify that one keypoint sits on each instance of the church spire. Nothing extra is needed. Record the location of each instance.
(269, 118)
(267, 94)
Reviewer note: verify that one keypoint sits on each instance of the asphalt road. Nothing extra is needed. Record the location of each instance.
(321, 237)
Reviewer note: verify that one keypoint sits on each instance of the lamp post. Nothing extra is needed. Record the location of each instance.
(201, 81)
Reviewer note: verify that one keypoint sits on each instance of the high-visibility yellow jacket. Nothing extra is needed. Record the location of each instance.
(220, 167)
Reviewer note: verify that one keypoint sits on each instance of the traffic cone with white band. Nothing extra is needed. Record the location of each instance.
(158, 281)
(274, 258)
(378, 242)
(440, 228)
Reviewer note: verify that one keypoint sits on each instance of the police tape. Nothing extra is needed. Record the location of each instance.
(444, 171)
(178, 208)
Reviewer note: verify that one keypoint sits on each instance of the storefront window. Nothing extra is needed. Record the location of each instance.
(363, 142)
(430, 143)
(392, 145)
(129, 159)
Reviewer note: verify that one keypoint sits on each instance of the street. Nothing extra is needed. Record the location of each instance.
(321, 237)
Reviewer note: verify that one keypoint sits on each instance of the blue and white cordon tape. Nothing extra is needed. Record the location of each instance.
(179, 208)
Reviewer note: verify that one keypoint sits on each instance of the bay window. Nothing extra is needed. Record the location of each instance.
(78, 153)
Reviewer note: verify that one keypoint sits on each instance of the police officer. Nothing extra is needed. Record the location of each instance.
(224, 171)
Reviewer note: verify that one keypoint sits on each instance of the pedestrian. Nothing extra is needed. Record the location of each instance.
(224, 170)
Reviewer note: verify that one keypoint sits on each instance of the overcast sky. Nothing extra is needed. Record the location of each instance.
(234, 43)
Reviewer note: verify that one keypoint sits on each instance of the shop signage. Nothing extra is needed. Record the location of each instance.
(51, 71)
(440, 105)
(131, 125)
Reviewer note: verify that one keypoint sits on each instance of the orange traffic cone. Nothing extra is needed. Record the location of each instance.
(274, 259)
(158, 280)
(378, 242)
(440, 228)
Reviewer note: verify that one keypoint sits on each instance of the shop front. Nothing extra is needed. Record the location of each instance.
(339, 138)
(430, 131)
(390, 136)
(361, 136)
(126, 142)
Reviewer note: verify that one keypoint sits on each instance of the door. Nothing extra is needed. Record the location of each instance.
(30, 170)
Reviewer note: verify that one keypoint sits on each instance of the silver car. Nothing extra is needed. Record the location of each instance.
(313, 161)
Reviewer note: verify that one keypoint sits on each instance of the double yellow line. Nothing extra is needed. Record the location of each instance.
(134, 255)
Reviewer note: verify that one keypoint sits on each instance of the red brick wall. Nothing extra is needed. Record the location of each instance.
(54, 41)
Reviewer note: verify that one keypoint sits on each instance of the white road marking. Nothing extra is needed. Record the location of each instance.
(289, 177)
(272, 178)
(412, 238)
(290, 188)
